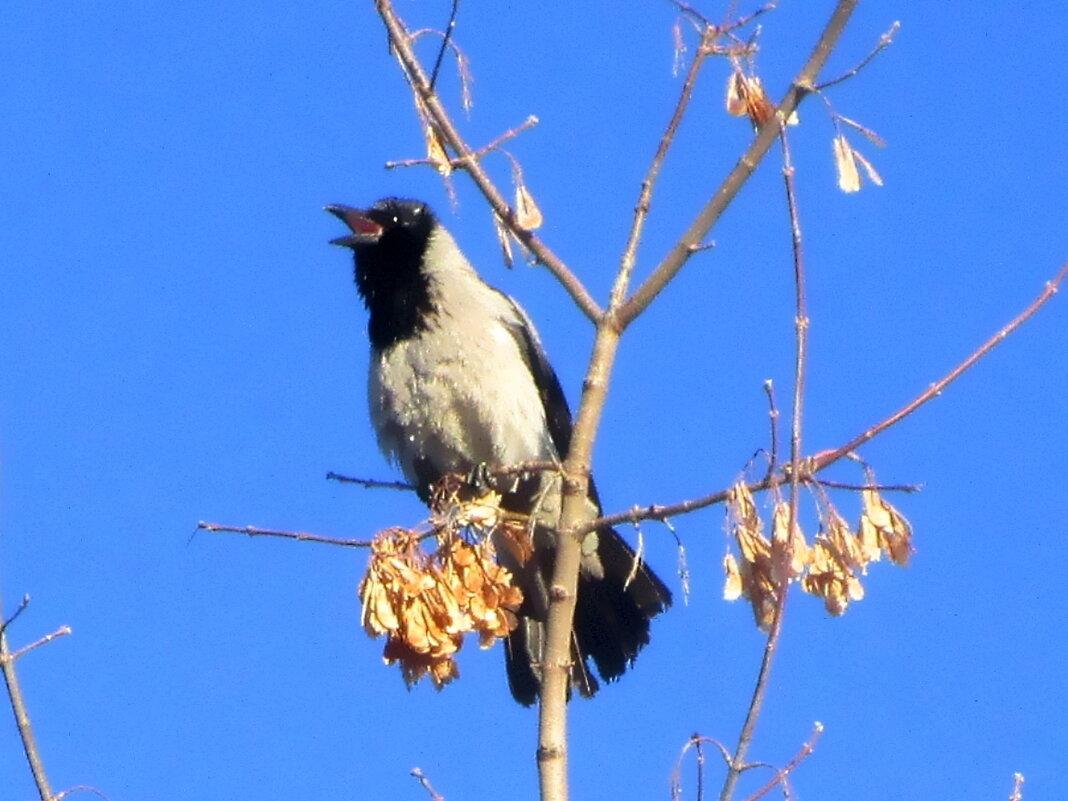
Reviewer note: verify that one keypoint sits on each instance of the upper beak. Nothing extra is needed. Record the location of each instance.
(365, 231)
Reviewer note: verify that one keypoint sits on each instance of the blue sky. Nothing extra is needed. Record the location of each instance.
(178, 343)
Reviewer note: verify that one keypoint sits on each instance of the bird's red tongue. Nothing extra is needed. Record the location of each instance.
(363, 228)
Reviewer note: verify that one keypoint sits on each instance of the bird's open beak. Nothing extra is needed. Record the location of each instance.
(365, 231)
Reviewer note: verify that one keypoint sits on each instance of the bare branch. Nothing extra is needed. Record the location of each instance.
(825, 458)
(461, 162)
(423, 780)
(18, 707)
(710, 214)
(796, 419)
(253, 531)
(884, 42)
(780, 776)
(641, 210)
(736, 766)
(22, 607)
(401, 41)
(62, 631)
(1017, 787)
(370, 483)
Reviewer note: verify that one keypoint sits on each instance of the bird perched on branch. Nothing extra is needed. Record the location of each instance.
(459, 381)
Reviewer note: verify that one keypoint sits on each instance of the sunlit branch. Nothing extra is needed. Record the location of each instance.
(18, 702)
(747, 164)
(255, 531)
(400, 39)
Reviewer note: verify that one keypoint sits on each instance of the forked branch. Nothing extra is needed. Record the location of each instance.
(401, 42)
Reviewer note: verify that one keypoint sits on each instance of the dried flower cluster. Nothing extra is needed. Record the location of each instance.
(528, 216)
(830, 567)
(746, 97)
(846, 158)
(425, 602)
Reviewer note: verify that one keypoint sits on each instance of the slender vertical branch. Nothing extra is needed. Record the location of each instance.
(22, 715)
(641, 210)
(801, 321)
(756, 703)
(552, 742)
(691, 240)
(401, 42)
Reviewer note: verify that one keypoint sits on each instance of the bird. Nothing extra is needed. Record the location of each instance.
(459, 381)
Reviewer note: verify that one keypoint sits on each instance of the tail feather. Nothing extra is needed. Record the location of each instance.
(612, 617)
(522, 657)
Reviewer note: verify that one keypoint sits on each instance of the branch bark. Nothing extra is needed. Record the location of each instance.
(18, 708)
(691, 240)
(401, 43)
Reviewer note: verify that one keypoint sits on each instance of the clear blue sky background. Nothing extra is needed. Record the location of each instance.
(178, 343)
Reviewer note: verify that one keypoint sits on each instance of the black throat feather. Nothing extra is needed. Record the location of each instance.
(394, 286)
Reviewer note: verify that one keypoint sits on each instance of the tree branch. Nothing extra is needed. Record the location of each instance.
(641, 210)
(462, 162)
(801, 756)
(801, 322)
(813, 465)
(253, 531)
(826, 458)
(401, 43)
(18, 705)
(697, 232)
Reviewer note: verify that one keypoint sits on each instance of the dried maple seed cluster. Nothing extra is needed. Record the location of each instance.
(830, 567)
(746, 97)
(425, 602)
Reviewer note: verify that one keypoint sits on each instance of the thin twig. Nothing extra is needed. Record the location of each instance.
(641, 209)
(254, 531)
(417, 79)
(700, 770)
(423, 780)
(825, 458)
(444, 43)
(22, 715)
(741, 22)
(736, 765)
(462, 161)
(22, 607)
(773, 423)
(694, 742)
(884, 42)
(801, 322)
(909, 488)
(370, 483)
(80, 788)
(62, 631)
(780, 776)
(1017, 787)
(520, 468)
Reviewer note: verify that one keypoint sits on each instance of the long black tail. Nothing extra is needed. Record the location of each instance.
(611, 625)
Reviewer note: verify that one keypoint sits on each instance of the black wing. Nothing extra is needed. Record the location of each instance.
(557, 412)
